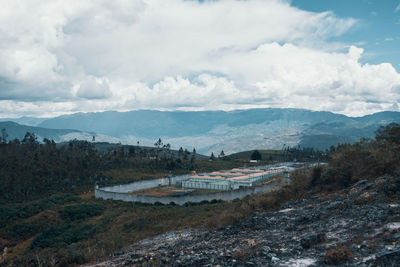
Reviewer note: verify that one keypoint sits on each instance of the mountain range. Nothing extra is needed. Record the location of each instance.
(212, 131)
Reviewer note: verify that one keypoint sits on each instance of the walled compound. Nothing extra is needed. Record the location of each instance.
(232, 184)
(231, 179)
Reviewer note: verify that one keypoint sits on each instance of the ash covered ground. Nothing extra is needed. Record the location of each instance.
(357, 226)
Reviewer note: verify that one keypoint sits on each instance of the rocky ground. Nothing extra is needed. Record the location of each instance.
(358, 226)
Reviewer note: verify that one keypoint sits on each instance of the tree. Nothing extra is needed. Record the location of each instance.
(193, 157)
(49, 143)
(222, 154)
(256, 155)
(158, 143)
(4, 136)
(132, 151)
(194, 154)
(389, 134)
(185, 155)
(212, 155)
(180, 152)
(30, 138)
(167, 146)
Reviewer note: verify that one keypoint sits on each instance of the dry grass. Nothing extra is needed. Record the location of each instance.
(126, 175)
(124, 223)
(18, 249)
(338, 255)
(159, 191)
(243, 255)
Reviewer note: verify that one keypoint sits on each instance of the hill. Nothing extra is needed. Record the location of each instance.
(324, 230)
(312, 221)
(286, 154)
(49, 217)
(231, 131)
(18, 131)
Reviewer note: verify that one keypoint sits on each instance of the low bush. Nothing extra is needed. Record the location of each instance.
(81, 211)
(12, 212)
(48, 238)
(339, 255)
(22, 230)
(59, 236)
(137, 224)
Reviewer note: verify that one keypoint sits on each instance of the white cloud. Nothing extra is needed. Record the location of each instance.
(68, 56)
(93, 88)
(397, 8)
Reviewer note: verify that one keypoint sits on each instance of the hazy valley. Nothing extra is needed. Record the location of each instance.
(212, 131)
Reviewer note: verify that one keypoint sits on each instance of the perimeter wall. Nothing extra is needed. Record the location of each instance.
(120, 192)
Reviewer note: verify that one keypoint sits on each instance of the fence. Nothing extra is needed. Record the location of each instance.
(120, 192)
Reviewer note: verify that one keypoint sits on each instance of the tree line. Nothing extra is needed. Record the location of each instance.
(30, 169)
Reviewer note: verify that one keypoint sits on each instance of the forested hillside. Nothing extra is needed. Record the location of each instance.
(29, 169)
(48, 217)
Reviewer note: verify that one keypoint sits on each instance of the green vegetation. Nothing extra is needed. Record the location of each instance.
(66, 234)
(366, 159)
(74, 234)
(48, 215)
(16, 211)
(30, 170)
(286, 154)
(73, 227)
(256, 155)
(81, 211)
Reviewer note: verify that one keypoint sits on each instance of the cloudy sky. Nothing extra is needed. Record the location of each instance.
(61, 57)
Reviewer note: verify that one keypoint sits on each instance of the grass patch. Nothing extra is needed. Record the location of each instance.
(18, 211)
(130, 175)
(81, 211)
(160, 191)
(66, 234)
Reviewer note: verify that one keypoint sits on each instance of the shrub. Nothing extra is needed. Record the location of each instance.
(59, 236)
(22, 230)
(60, 199)
(316, 174)
(256, 155)
(11, 212)
(81, 211)
(339, 255)
(138, 224)
(341, 177)
(79, 232)
(48, 238)
(243, 255)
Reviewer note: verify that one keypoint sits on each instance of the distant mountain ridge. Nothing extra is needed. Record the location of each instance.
(18, 131)
(231, 131)
(28, 121)
(144, 123)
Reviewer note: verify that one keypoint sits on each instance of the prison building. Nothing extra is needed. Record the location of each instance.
(207, 182)
(230, 179)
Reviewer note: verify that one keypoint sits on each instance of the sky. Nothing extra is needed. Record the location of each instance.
(61, 57)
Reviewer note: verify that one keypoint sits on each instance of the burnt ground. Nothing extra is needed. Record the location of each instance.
(358, 226)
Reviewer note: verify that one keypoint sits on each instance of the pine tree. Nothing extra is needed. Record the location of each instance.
(212, 155)
(256, 155)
